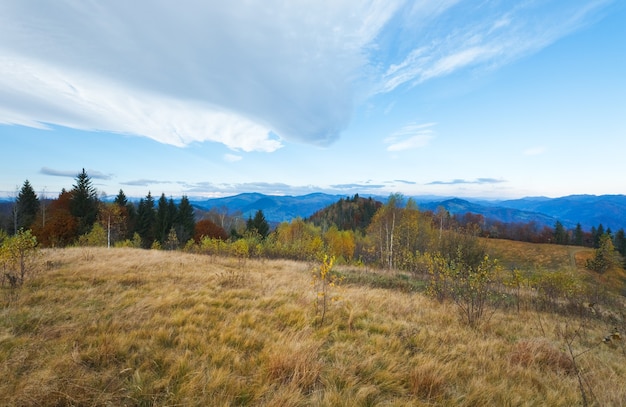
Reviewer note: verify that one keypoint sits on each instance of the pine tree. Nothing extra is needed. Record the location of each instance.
(605, 255)
(84, 203)
(579, 236)
(164, 220)
(258, 224)
(560, 236)
(145, 225)
(599, 232)
(121, 199)
(27, 205)
(620, 242)
(185, 222)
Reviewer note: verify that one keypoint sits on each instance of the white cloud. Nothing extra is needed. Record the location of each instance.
(74, 99)
(410, 137)
(187, 71)
(481, 34)
(249, 75)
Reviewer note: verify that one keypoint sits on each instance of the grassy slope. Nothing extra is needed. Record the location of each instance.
(134, 327)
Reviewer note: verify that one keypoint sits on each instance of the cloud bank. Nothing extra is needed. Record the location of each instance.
(248, 75)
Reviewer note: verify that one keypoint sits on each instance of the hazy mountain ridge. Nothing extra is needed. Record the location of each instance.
(275, 208)
(589, 210)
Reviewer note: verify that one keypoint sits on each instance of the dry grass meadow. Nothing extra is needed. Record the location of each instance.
(134, 327)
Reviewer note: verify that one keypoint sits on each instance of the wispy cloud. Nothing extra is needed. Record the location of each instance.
(459, 181)
(250, 76)
(410, 137)
(93, 174)
(402, 181)
(224, 72)
(145, 182)
(485, 34)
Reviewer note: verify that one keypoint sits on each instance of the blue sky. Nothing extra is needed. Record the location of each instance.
(490, 99)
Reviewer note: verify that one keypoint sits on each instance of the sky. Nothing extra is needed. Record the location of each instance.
(483, 99)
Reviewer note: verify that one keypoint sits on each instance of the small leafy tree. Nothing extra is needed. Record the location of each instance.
(469, 286)
(172, 242)
(323, 281)
(18, 253)
(97, 236)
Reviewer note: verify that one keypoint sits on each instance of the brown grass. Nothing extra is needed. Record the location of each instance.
(135, 327)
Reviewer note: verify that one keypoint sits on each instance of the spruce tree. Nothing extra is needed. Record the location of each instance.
(579, 236)
(560, 235)
(164, 219)
(146, 219)
(258, 224)
(84, 203)
(121, 199)
(620, 242)
(185, 220)
(27, 206)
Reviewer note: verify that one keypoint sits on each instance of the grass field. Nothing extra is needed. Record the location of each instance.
(133, 327)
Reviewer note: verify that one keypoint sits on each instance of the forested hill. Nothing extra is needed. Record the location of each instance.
(588, 210)
(347, 214)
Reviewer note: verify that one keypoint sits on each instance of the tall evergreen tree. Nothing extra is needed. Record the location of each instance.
(84, 203)
(120, 199)
(145, 224)
(258, 224)
(579, 236)
(597, 235)
(560, 235)
(185, 220)
(164, 219)
(620, 242)
(27, 206)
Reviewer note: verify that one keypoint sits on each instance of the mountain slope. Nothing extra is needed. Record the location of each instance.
(589, 210)
(275, 208)
(458, 206)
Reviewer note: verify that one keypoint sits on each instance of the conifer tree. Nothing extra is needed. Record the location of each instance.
(258, 224)
(579, 237)
(620, 242)
(605, 255)
(185, 220)
(27, 205)
(145, 225)
(164, 218)
(120, 199)
(560, 235)
(597, 235)
(84, 203)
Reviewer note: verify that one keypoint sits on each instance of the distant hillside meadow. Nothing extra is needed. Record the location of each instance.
(361, 301)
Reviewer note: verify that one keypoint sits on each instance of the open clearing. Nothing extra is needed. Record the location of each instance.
(145, 327)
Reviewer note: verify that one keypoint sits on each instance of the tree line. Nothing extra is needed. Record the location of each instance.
(355, 229)
(79, 216)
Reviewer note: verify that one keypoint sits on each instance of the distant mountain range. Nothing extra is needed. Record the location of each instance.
(588, 210)
(275, 208)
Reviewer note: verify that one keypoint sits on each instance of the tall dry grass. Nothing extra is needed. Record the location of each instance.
(135, 327)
